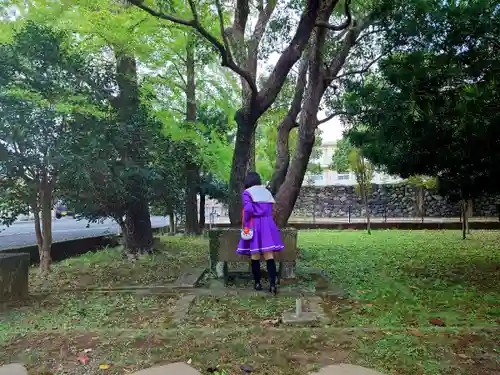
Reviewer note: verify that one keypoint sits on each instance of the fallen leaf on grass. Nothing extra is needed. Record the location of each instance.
(369, 304)
(83, 359)
(105, 366)
(437, 322)
(270, 322)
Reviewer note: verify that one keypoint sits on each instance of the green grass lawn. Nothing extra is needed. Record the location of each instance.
(109, 268)
(399, 284)
(406, 278)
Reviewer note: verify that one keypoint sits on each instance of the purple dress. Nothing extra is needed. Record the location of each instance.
(258, 204)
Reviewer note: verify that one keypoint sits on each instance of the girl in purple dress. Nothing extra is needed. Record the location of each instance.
(266, 240)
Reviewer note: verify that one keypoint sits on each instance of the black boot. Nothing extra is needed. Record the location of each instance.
(256, 274)
(271, 270)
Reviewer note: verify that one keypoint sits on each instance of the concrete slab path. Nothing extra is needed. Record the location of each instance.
(13, 369)
(178, 368)
(346, 369)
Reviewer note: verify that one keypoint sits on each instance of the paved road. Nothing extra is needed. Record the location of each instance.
(23, 233)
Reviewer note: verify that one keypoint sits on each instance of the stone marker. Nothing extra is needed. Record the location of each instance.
(345, 369)
(14, 276)
(299, 316)
(13, 369)
(178, 368)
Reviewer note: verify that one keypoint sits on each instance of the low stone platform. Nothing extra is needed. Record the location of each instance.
(178, 368)
(223, 244)
(346, 369)
(13, 369)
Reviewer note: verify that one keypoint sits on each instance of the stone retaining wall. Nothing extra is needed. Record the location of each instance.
(398, 200)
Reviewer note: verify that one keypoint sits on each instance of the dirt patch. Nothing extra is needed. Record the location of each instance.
(235, 310)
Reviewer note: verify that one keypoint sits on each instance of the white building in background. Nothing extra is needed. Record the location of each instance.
(328, 177)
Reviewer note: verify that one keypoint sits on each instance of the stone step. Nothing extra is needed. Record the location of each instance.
(178, 368)
(346, 369)
(13, 369)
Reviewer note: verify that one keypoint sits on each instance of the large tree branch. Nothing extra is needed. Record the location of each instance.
(349, 41)
(241, 16)
(220, 15)
(286, 125)
(363, 70)
(289, 57)
(330, 116)
(182, 86)
(140, 4)
(225, 55)
(344, 24)
(262, 21)
(300, 86)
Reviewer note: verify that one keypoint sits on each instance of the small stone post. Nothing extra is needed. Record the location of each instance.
(298, 307)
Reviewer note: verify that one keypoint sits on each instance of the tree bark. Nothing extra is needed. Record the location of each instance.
(247, 116)
(251, 160)
(138, 233)
(192, 226)
(46, 227)
(290, 189)
(470, 213)
(38, 228)
(319, 80)
(465, 224)
(202, 211)
(367, 210)
(285, 127)
(171, 222)
(245, 130)
(191, 204)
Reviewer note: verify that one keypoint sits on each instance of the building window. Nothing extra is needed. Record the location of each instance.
(343, 176)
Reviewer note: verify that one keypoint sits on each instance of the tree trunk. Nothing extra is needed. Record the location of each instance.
(290, 189)
(138, 233)
(192, 226)
(46, 228)
(251, 161)
(38, 228)
(171, 222)
(282, 156)
(247, 116)
(465, 219)
(123, 230)
(319, 81)
(367, 211)
(470, 213)
(245, 130)
(285, 127)
(202, 211)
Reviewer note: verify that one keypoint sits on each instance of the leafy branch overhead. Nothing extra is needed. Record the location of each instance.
(290, 55)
